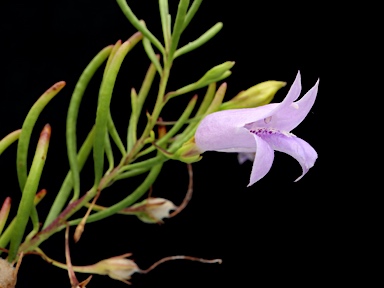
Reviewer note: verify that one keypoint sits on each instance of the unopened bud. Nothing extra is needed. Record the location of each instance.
(118, 267)
(188, 152)
(216, 73)
(152, 210)
(258, 95)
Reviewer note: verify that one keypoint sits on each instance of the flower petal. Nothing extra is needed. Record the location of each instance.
(219, 132)
(263, 160)
(293, 94)
(293, 146)
(279, 115)
(288, 117)
(271, 115)
(223, 131)
(303, 106)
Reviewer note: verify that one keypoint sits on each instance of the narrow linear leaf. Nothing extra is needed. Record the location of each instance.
(218, 99)
(191, 12)
(215, 74)
(111, 55)
(8, 140)
(6, 236)
(67, 185)
(73, 112)
(133, 119)
(145, 164)
(199, 41)
(26, 131)
(4, 212)
(30, 189)
(137, 105)
(136, 23)
(109, 153)
(115, 135)
(103, 106)
(169, 32)
(165, 23)
(152, 56)
(146, 86)
(207, 99)
(179, 25)
(131, 173)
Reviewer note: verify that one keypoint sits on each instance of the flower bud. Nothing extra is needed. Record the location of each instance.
(216, 73)
(188, 152)
(258, 95)
(152, 210)
(117, 267)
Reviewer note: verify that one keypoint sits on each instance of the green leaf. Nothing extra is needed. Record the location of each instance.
(29, 192)
(139, 26)
(104, 101)
(152, 56)
(26, 131)
(179, 25)
(199, 41)
(67, 185)
(73, 112)
(8, 140)
(191, 12)
(165, 22)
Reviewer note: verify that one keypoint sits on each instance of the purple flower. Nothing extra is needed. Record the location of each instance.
(261, 130)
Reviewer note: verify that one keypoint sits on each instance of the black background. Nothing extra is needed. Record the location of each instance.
(267, 235)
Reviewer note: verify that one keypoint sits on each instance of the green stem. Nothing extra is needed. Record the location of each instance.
(6, 236)
(131, 173)
(66, 187)
(179, 123)
(58, 223)
(143, 164)
(126, 202)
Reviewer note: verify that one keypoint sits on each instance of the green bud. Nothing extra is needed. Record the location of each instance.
(258, 95)
(188, 152)
(215, 74)
(218, 99)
